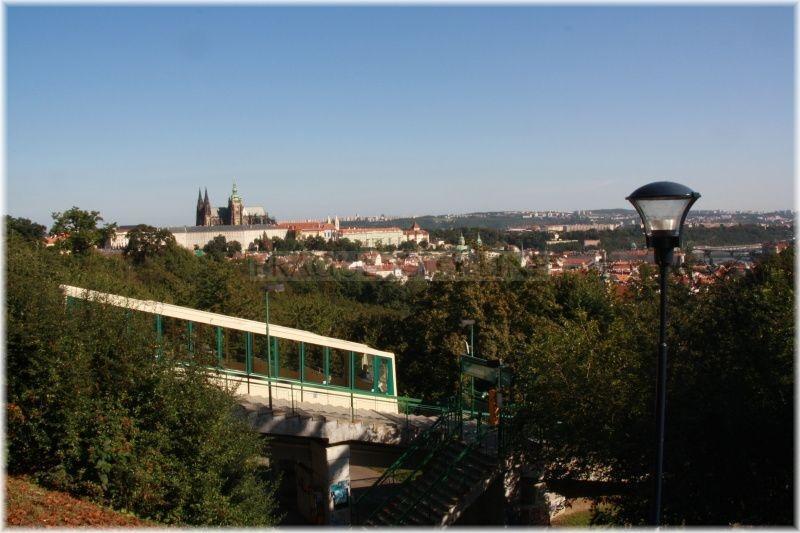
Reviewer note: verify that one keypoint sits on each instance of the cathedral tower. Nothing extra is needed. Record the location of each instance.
(235, 207)
(206, 211)
(199, 212)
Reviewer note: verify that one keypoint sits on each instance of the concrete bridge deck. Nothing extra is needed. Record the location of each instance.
(330, 423)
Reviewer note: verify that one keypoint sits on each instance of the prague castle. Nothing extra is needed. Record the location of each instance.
(235, 214)
(245, 224)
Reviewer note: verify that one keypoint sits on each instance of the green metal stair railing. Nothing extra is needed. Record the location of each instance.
(505, 435)
(481, 436)
(446, 427)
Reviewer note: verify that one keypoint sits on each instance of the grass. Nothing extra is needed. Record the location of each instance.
(30, 505)
(579, 513)
(576, 519)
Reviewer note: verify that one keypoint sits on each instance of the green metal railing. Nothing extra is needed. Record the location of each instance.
(410, 464)
(297, 389)
(491, 441)
(416, 496)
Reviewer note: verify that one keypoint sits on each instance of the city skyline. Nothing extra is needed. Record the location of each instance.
(395, 110)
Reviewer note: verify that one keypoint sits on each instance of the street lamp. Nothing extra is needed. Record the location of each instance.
(271, 287)
(663, 206)
(471, 349)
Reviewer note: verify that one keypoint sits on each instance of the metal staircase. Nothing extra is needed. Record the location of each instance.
(452, 463)
(456, 475)
(444, 471)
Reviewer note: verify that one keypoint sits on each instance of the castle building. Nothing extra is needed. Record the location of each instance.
(235, 214)
(416, 233)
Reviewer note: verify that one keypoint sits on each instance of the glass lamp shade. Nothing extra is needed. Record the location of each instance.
(663, 206)
(662, 215)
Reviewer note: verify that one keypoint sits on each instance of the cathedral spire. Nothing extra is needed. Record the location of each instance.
(199, 218)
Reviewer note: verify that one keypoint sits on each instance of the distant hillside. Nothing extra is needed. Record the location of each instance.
(29, 505)
(503, 220)
(492, 220)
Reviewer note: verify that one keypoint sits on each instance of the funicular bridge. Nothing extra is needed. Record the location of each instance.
(332, 412)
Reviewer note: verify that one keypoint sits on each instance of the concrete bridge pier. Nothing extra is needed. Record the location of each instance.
(330, 465)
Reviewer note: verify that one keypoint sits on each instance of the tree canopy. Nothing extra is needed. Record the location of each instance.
(583, 354)
(81, 230)
(146, 242)
(91, 411)
(25, 228)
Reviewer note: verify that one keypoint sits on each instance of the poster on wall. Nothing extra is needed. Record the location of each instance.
(340, 494)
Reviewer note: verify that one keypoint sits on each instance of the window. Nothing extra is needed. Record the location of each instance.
(340, 368)
(314, 364)
(175, 338)
(234, 350)
(260, 362)
(364, 371)
(204, 344)
(288, 357)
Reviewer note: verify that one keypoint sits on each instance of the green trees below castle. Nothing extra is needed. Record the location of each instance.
(583, 354)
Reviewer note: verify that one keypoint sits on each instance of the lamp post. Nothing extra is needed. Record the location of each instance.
(271, 287)
(471, 323)
(663, 206)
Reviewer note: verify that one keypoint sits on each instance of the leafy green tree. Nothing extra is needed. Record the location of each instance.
(146, 242)
(92, 411)
(290, 244)
(216, 248)
(315, 243)
(409, 246)
(233, 248)
(25, 228)
(219, 248)
(81, 230)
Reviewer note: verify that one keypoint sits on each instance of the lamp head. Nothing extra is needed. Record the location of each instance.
(275, 287)
(663, 206)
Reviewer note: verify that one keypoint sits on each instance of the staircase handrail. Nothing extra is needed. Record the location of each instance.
(446, 438)
(482, 434)
(446, 421)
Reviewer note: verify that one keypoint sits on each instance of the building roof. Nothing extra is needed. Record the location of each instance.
(307, 226)
(254, 210)
(354, 231)
(221, 228)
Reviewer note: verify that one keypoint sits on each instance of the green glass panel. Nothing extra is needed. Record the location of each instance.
(389, 378)
(219, 347)
(249, 352)
(288, 358)
(234, 351)
(314, 364)
(261, 363)
(363, 372)
(326, 370)
(339, 368)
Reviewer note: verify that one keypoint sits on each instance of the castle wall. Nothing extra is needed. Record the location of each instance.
(189, 237)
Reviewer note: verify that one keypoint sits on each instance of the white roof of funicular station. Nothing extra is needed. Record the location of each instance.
(216, 319)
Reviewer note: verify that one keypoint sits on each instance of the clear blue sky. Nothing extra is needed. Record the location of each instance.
(396, 110)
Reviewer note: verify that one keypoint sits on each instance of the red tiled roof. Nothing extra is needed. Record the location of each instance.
(346, 231)
(312, 226)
